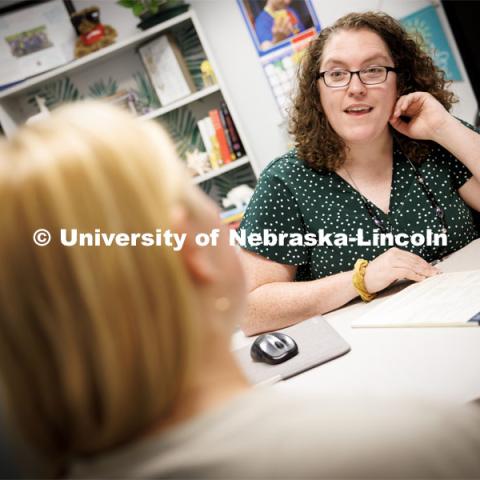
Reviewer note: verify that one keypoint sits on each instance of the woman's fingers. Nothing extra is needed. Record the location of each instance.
(406, 103)
(402, 256)
(418, 270)
(396, 264)
(400, 106)
(406, 273)
(418, 266)
(413, 267)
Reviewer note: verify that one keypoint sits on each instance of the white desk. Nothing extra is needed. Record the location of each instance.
(443, 363)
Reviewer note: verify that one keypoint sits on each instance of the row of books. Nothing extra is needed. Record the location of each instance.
(220, 137)
(232, 217)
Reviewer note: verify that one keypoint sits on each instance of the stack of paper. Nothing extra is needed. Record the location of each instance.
(447, 299)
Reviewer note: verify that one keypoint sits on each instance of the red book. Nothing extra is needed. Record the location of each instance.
(222, 139)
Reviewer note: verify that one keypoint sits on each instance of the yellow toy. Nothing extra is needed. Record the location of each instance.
(208, 75)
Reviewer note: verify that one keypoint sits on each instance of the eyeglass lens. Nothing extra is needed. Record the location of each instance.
(368, 76)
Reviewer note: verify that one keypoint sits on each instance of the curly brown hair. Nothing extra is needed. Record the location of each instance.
(316, 141)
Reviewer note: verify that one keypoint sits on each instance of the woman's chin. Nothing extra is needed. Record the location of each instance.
(361, 136)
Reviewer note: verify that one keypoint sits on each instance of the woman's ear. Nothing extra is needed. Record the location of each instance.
(197, 260)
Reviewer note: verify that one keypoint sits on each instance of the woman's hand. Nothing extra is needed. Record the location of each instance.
(427, 116)
(396, 264)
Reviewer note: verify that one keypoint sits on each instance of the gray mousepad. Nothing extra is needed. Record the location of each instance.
(317, 343)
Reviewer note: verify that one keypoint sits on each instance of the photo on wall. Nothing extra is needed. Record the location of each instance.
(281, 30)
(31, 41)
(276, 23)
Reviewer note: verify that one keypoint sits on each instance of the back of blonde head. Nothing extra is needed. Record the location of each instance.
(95, 342)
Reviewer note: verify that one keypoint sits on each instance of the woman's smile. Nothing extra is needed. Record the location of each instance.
(358, 110)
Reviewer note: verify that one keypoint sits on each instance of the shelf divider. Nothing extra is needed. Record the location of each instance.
(220, 171)
(204, 92)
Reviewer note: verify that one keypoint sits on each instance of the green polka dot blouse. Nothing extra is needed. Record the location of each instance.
(292, 198)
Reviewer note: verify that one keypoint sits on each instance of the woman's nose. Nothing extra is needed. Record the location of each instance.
(356, 87)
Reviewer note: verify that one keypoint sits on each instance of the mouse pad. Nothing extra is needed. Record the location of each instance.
(317, 343)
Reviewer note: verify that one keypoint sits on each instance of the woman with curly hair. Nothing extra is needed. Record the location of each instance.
(383, 179)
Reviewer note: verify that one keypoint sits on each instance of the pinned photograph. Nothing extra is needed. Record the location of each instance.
(276, 23)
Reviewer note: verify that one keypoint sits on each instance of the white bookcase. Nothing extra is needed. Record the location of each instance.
(121, 65)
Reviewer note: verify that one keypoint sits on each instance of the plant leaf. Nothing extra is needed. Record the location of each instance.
(138, 9)
(182, 128)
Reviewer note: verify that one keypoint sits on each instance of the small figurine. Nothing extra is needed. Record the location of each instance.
(93, 35)
(198, 162)
(44, 112)
(208, 75)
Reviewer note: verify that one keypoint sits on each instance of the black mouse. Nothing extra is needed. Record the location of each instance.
(273, 348)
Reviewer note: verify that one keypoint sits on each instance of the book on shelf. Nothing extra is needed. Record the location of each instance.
(234, 215)
(209, 138)
(221, 137)
(237, 147)
(167, 69)
(227, 136)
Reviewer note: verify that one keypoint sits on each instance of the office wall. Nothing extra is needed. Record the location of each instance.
(237, 59)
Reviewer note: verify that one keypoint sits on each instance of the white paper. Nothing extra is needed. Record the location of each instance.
(448, 299)
(52, 46)
(165, 73)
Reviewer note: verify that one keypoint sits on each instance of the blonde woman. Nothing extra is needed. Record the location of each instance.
(115, 361)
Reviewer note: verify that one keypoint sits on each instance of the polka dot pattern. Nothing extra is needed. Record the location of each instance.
(290, 197)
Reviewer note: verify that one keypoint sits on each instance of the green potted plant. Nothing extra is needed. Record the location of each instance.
(152, 12)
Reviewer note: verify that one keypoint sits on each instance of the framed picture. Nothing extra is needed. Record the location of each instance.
(33, 40)
(167, 69)
(272, 29)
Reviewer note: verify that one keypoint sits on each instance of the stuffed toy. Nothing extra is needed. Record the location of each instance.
(238, 197)
(93, 35)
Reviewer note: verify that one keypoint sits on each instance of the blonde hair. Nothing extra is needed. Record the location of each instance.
(95, 343)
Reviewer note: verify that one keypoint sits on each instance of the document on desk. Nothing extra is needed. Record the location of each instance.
(445, 300)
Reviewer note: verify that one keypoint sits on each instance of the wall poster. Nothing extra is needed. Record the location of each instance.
(280, 37)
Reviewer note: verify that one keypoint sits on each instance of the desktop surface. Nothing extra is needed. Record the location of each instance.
(438, 362)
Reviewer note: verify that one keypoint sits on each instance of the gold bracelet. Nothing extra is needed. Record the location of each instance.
(358, 280)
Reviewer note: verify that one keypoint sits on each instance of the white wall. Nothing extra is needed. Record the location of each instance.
(467, 107)
(240, 68)
(247, 84)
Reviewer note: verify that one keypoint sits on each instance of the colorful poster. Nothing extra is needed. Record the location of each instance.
(427, 24)
(280, 37)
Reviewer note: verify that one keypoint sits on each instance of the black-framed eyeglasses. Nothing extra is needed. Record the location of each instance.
(372, 75)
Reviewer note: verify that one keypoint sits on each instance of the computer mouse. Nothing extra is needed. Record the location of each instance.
(273, 348)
